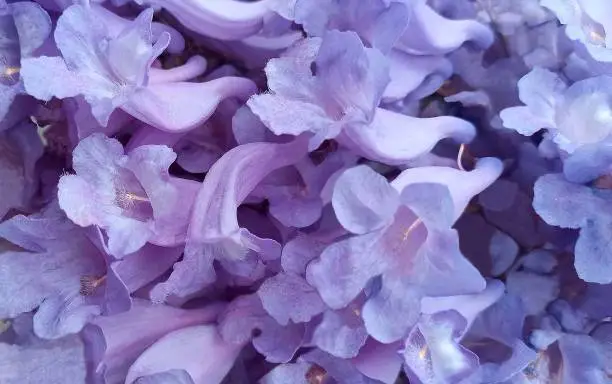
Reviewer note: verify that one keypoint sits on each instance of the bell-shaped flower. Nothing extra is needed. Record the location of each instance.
(331, 88)
(47, 274)
(574, 116)
(404, 31)
(402, 233)
(111, 68)
(130, 196)
(214, 230)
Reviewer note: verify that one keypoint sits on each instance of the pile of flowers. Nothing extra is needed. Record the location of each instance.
(305, 191)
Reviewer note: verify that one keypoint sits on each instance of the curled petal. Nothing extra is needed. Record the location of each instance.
(462, 185)
(394, 138)
(224, 20)
(422, 34)
(180, 107)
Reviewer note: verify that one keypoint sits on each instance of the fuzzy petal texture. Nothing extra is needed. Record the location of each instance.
(340, 333)
(60, 361)
(580, 207)
(345, 88)
(47, 275)
(289, 297)
(392, 311)
(132, 197)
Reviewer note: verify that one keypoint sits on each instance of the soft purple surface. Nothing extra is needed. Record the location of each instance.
(305, 191)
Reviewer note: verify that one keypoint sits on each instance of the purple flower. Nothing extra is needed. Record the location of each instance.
(46, 275)
(99, 62)
(214, 231)
(130, 196)
(340, 99)
(567, 112)
(408, 241)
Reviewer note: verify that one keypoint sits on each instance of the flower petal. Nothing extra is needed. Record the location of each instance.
(177, 350)
(289, 297)
(363, 200)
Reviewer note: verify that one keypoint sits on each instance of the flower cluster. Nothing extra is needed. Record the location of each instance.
(305, 191)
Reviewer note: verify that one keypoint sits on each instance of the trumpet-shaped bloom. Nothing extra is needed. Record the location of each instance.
(331, 87)
(214, 231)
(99, 62)
(408, 241)
(130, 196)
(575, 116)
